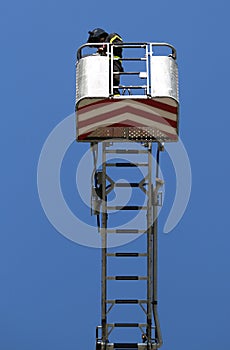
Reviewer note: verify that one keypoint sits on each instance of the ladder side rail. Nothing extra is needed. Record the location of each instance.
(158, 336)
(149, 245)
(104, 250)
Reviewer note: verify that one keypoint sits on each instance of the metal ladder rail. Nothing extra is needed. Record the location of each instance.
(154, 297)
(105, 254)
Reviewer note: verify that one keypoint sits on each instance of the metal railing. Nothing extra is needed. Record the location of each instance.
(137, 80)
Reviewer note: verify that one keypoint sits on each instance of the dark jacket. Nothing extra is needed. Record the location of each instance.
(113, 38)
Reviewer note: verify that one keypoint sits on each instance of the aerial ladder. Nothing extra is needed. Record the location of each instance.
(124, 131)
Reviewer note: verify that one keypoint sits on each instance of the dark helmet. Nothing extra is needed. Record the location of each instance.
(96, 34)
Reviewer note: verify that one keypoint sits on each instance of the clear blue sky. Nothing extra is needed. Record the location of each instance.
(50, 286)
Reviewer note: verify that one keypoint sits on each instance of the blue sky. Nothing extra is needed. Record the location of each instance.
(50, 286)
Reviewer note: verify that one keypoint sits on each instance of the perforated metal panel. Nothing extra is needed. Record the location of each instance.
(130, 133)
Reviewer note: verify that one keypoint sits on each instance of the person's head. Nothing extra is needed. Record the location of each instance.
(97, 35)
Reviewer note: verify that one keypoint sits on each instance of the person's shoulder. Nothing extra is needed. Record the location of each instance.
(114, 36)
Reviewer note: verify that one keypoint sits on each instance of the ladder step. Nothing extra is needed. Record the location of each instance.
(126, 301)
(127, 207)
(126, 231)
(129, 325)
(126, 151)
(126, 278)
(127, 254)
(128, 164)
(129, 73)
(125, 345)
(132, 86)
(134, 59)
(129, 184)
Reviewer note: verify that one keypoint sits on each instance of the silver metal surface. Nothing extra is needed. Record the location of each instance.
(92, 77)
(161, 73)
(164, 77)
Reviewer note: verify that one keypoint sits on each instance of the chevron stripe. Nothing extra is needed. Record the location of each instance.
(91, 112)
(129, 113)
(166, 104)
(151, 115)
(127, 119)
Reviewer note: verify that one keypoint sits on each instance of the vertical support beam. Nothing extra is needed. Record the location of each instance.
(104, 248)
(158, 337)
(147, 55)
(111, 76)
(149, 244)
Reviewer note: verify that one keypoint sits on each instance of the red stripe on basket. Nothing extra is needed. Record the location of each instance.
(160, 105)
(150, 102)
(127, 109)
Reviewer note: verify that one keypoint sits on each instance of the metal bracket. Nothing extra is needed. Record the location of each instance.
(159, 199)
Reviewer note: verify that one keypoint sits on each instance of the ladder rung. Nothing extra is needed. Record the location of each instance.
(126, 231)
(127, 207)
(134, 59)
(128, 325)
(128, 164)
(129, 184)
(129, 73)
(126, 301)
(121, 164)
(126, 254)
(126, 151)
(125, 345)
(126, 278)
(131, 86)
